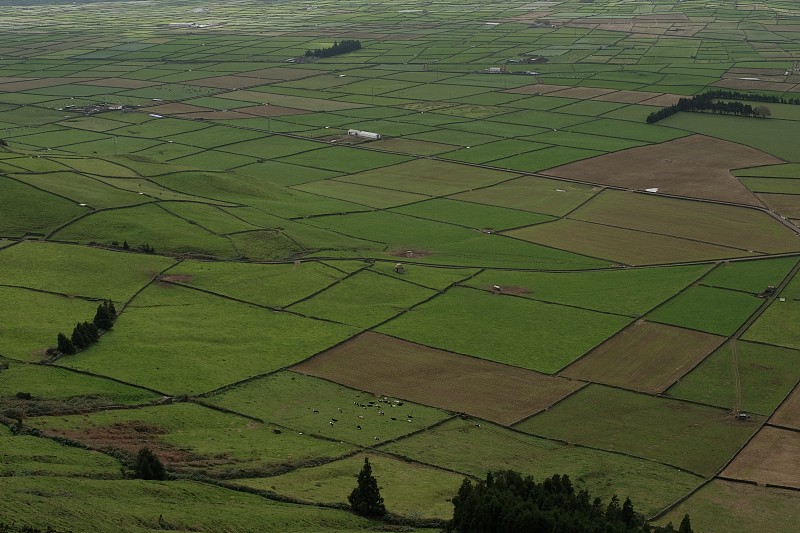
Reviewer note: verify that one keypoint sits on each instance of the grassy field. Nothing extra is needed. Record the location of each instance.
(518, 252)
(505, 329)
(667, 430)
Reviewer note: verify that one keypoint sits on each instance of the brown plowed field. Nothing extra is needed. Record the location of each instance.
(662, 100)
(626, 97)
(787, 205)
(696, 166)
(789, 413)
(385, 365)
(773, 456)
(646, 357)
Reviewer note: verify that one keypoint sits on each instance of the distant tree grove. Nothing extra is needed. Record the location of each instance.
(709, 101)
(338, 47)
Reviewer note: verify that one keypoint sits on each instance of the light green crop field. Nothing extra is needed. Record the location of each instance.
(193, 166)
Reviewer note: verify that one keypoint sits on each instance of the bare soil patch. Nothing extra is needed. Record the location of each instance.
(789, 413)
(662, 100)
(773, 456)
(645, 356)
(695, 166)
(385, 365)
(625, 97)
(787, 205)
(177, 278)
(130, 437)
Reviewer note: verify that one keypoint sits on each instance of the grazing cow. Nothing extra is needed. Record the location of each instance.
(358, 427)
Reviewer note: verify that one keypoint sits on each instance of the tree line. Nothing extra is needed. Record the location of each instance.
(338, 47)
(84, 334)
(710, 102)
(507, 501)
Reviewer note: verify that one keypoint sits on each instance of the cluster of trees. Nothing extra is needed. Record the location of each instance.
(348, 45)
(144, 247)
(710, 102)
(506, 501)
(87, 333)
(751, 97)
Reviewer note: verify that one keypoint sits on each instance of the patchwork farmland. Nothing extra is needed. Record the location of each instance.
(517, 272)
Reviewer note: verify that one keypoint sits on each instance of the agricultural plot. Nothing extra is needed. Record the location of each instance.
(505, 329)
(630, 292)
(472, 448)
(30, 456)
(745, 229)
(78, 271)
(27, 339)
(187, 438)
(408, 489)
(779, 324)
(602, 241)
(34, 211)
(180, 504)
(788, 414)
(772, 458)
(696, 166)
(750, 276)
(484, 217)
(765, 376)
(693, 437)
(707, 309)
(730, 505)
(386, 365)
(318, 407)
(196, 350)
(645, 357)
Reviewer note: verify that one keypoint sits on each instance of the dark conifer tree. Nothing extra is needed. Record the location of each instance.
(65, 346)
(686, 526)
(366, 498)
(148, 466)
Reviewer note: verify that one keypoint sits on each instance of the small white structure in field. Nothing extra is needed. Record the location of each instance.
(368, 135)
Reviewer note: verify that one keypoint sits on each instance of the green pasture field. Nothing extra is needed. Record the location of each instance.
(197, 343)
(136, 505)
(724, 225)
(256, 191)
(475, 447)
(34, 210)
(291, 399)
(98, 167)
(77, 270)
(211, 442)
(427, 276)
(783, 170)
(209, 217)
(269, 285)
(598, 240)
(352, 300)
(697, 438)
(631, 292)
(767, 374)
(342, 159)
(792, 290)
(728, 505)
(428, 177)
(707, 309)
(773, 136)
(493, 151)
(82, 189)
(471, 215)
(538, 195)
(505, 329)
(31, 456)
(366, 195)
(750, 276)
(629, 130)
(772, 185)
(546, 158)
(434, 242)
(778, 325)
(27, 339)
(408, 489)
(147, 224)
(265, 245)
(284, 173)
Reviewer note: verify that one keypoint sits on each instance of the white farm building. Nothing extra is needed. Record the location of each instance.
(368, 135)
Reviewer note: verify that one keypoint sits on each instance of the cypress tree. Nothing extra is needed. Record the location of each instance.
(366, 498)
(65, 346)
(105, 315)
(79, 339)
(686, 526)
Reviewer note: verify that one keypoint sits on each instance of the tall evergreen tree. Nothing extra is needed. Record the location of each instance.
(686, 526)
(366, 498)
(105, 315)
(65, 346)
